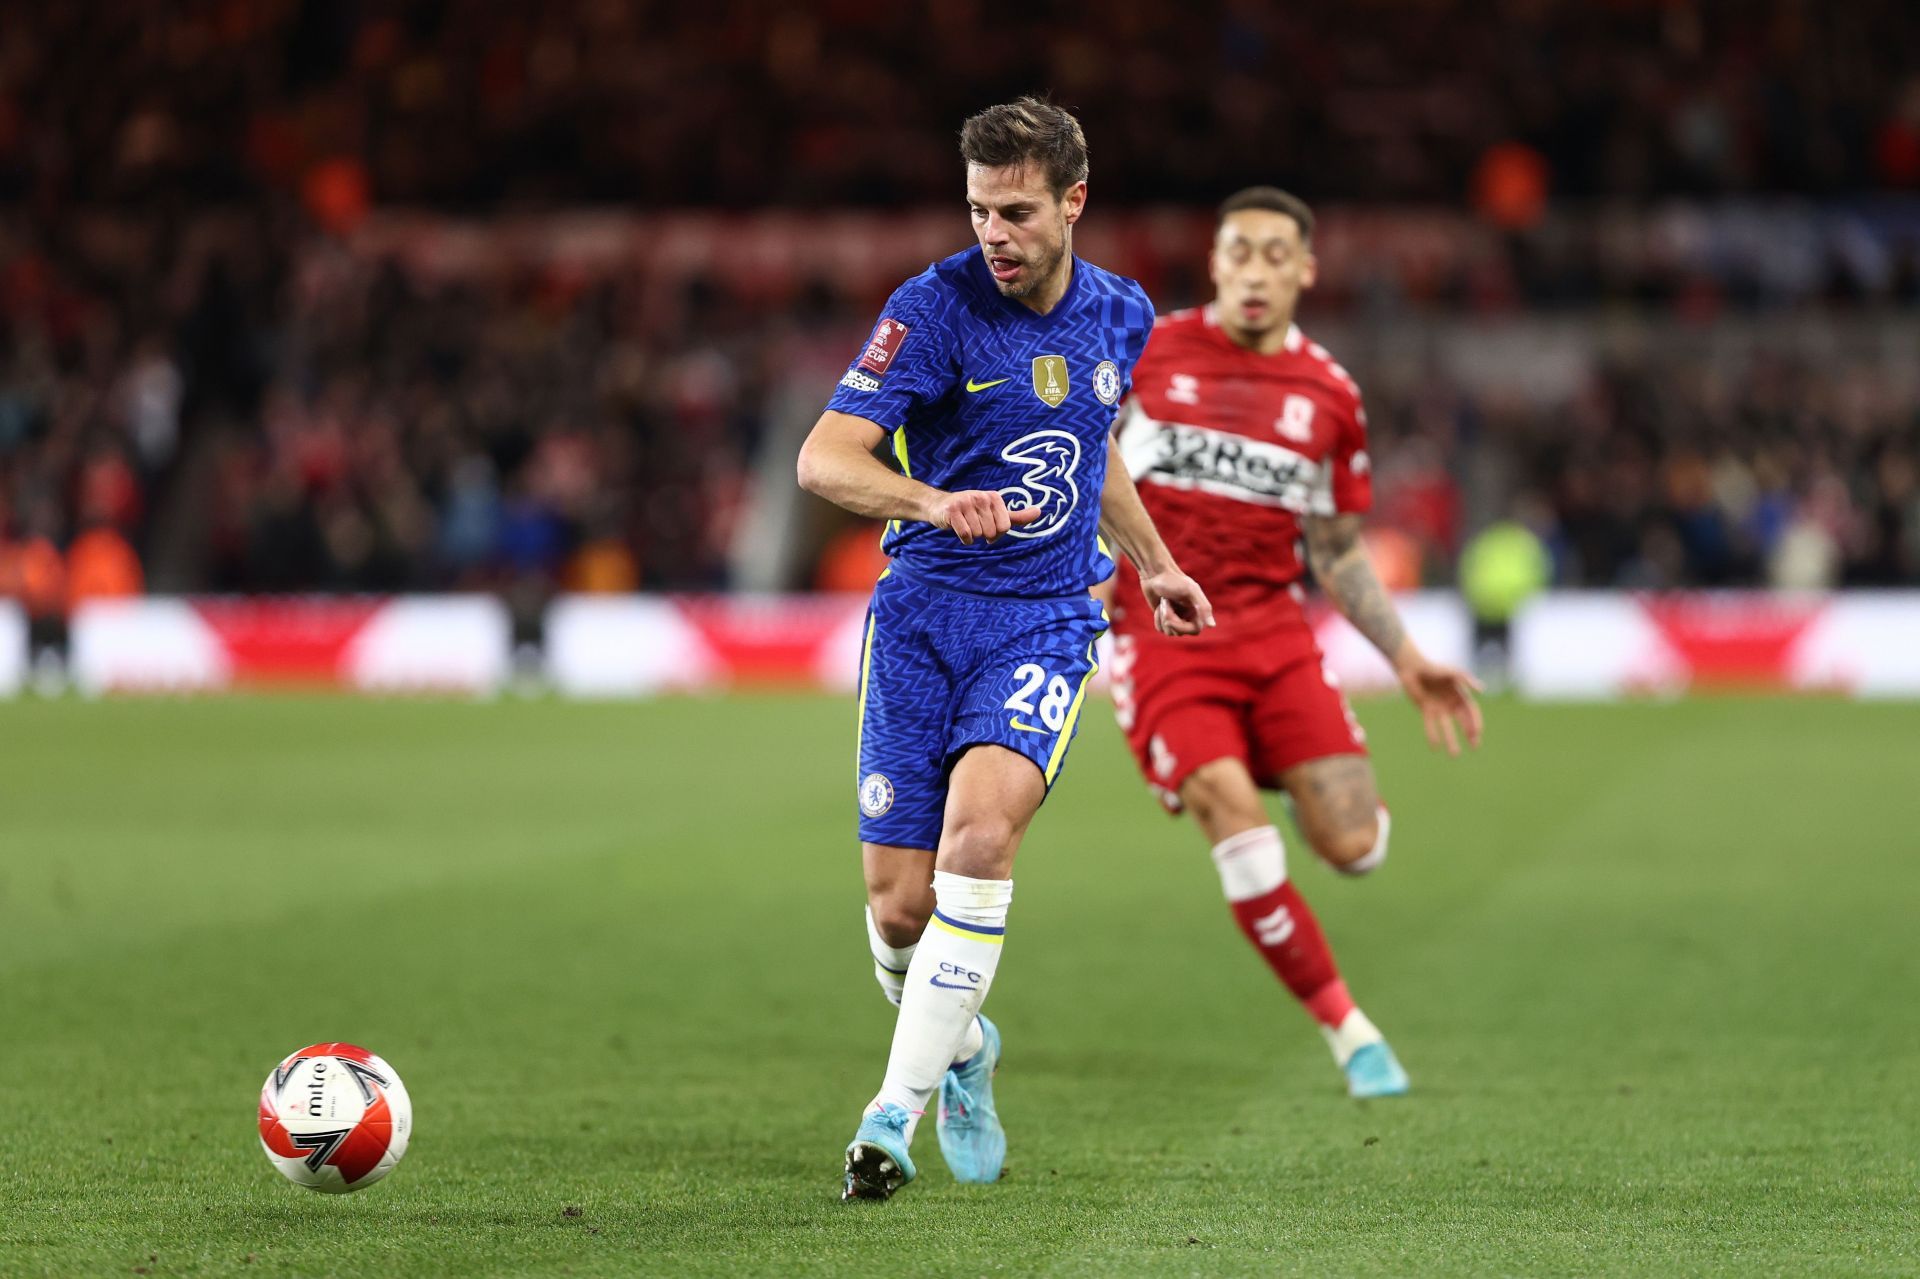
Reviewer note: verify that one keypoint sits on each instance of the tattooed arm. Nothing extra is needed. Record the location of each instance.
(1341, 566)
(1444, 694)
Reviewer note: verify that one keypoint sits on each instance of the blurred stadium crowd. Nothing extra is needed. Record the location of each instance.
(214, 375)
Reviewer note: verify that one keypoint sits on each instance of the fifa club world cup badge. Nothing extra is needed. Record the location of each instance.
(1106, 382)
(1050, 379)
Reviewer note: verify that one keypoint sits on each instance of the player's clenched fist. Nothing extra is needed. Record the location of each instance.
(1180, 607)
(979, 514)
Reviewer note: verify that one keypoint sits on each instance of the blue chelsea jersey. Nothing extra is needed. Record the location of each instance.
(982, 393)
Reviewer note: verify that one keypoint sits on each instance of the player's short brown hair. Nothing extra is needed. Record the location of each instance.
(1028, 130)
(1274, 199)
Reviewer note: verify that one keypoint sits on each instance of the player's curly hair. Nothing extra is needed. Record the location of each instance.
(1273, 199)
(1028, 129)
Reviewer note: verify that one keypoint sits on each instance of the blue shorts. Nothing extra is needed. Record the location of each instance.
(942, 670)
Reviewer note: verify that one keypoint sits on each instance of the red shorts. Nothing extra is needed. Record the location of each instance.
(1270, 704)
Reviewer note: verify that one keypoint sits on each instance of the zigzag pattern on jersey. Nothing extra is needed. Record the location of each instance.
(964, 334)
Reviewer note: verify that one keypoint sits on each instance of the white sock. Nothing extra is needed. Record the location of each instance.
(972, 1042)
(947, 981)
(1355, 1033)
(1251, 864)
(890, 970)
(889, 964)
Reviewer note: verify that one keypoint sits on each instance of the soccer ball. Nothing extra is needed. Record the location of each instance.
(334, 1118)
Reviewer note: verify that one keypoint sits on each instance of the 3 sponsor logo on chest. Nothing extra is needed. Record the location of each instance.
(1050, 463)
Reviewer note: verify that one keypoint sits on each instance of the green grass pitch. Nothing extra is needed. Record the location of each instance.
(1653, 969)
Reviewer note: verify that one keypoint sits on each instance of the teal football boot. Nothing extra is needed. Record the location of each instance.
(971, 1137)
(877, 1160)
(1373, 1071)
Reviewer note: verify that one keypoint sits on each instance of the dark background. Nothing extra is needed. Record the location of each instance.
(528, 297)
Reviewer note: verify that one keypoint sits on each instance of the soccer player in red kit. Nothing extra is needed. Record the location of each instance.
(1248, 443)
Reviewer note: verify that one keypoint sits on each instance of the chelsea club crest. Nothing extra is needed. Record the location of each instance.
(876, 795)
(1106, 382)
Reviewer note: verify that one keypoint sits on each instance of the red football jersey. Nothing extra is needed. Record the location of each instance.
(1230, 448)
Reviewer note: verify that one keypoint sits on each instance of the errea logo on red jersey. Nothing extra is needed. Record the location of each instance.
(884, 344)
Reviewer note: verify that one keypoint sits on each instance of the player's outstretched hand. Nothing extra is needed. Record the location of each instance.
(1180, 607)
(1444, 695)
(980, 514)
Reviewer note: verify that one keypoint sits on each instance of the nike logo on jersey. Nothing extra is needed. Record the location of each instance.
(1025, 728)
(974, 388)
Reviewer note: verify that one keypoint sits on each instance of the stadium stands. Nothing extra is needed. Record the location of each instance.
(375, 299)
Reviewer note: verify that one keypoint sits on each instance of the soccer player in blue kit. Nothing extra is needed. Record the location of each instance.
(997, 374)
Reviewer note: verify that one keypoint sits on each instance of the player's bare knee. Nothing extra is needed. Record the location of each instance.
(979, 846)
(1346, 848)
(1357, 849)
(1221, 801)
(900, 917)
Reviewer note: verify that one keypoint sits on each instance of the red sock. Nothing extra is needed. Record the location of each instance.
(1283, 929)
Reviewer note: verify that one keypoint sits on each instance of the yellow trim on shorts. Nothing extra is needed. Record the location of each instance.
(866, 669)
(1073, 714)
